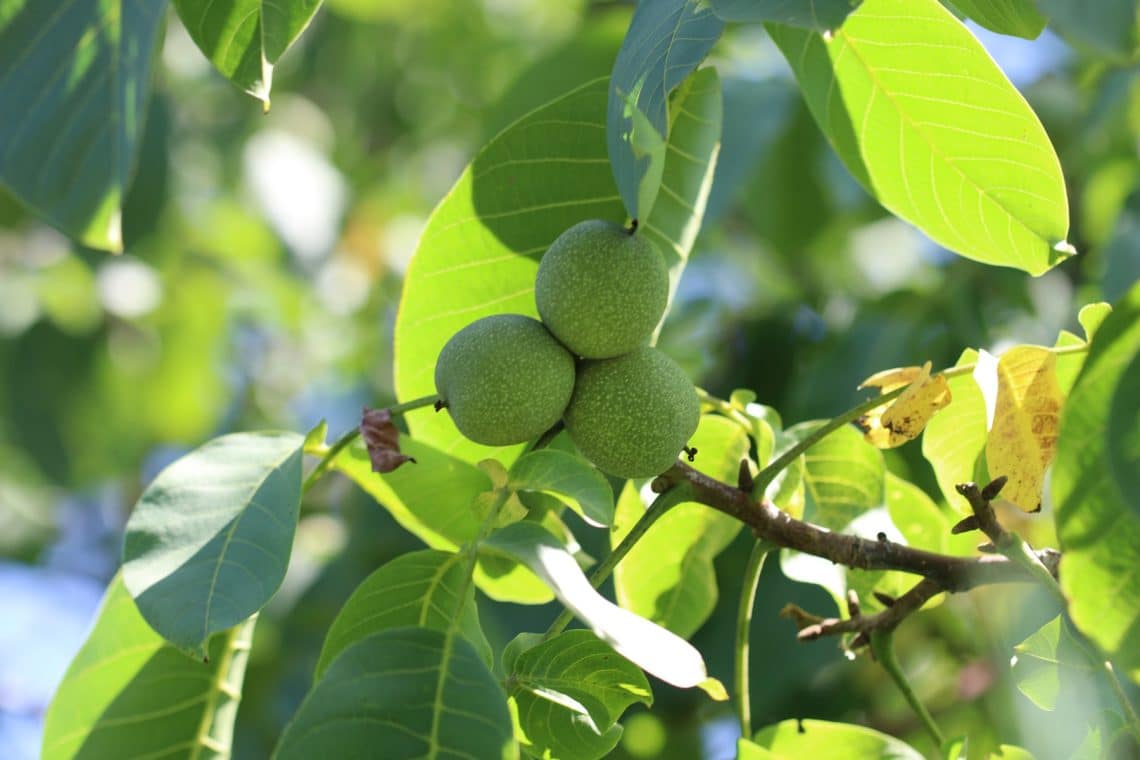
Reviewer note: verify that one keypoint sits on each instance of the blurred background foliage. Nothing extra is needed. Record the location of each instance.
(262, 277)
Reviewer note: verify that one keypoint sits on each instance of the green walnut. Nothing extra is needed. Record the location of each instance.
(632, 415)
(504, 379)
(601, 289)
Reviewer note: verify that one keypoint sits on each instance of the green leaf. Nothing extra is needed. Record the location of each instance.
(431, 498)
(1122, 439)
(128, 693)
(1019, 18)
(1091, 316)
(821, 15)
(668, 576)
(568, 478)
(75, 79)
(479, 252)
(208, 543)
(650, 647)
(569, 692)
(795, 739)
(245, 38)
(427, 589)
(843, 476)
(1044, 659)
(410, 692)
(918, 519)
(928, 123)
(955, 438)
(666, 41)
(1111, 31)
(1097, 520)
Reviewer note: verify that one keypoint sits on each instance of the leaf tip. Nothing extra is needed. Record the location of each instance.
(714, 688)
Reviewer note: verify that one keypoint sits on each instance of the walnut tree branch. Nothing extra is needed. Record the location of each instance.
(768, 522)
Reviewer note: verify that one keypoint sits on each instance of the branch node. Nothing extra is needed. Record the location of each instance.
(853, 603)
(990, 492)
(660, 484)
(884, 599)
(987, 548)
(439, 405)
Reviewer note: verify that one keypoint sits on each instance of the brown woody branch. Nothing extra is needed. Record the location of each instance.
(770, 523)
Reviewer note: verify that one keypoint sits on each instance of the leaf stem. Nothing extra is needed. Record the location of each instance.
(883, 647)
(752, 572)
(656, 510)
(330, 453)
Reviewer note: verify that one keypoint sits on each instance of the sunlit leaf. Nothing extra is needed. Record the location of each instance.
(244, 39)
(404, 692)
(927, 122)
(208, 543)
(75, 79)
(479, 252)
(797, 739)
(568, 478)
(821, 15)
(668, 576)
(666, 41)
(128, 693)
(425, 589)
(1097, 521)
(569, 693)
(955, 439)
(843, 477)
(649, 646)
(1019, 18)
(1091, 316)
(1023, 438)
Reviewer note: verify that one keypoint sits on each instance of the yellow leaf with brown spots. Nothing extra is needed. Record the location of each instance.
(1023, 438)
(894, 424)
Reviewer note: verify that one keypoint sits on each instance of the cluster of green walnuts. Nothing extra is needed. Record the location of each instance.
(600, 291)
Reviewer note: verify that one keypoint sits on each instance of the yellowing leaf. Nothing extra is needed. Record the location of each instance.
(1023, 438)
(894, 424)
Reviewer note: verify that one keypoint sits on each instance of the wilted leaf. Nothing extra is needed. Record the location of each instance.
(382, 439)
(906, 417)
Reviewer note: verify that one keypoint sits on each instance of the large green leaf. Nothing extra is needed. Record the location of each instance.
(928, 123)
(650, 647)
(844, 476)
(403, 692)
(128, 693)
(1111, 31)
(75, 78)
(245, 38)
(668, 576)
(569, 692)
(796, 739)
(1096, 517)
(821, 15)
(955, 438)
(570, 479)
(479, 252)
(427, 588)
(1019, 18)
(666, 41)
(209, 541)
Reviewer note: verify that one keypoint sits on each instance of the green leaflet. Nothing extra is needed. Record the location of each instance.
(569, 692)
(1019, 18)
(75, 79)
(570, 479)
(209, 541)
(927, 122)
(1097, 520)
(405, 692)
(955, 438)
(245, 38)
(128, 693)
(416, 589)
(821, 15)
(665, 42)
